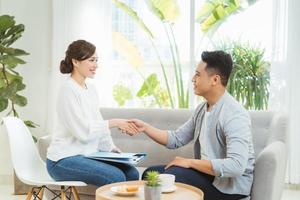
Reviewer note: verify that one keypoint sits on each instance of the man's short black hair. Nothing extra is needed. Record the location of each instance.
(218, 62)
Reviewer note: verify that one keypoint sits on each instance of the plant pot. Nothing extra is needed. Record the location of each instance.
(152, 193)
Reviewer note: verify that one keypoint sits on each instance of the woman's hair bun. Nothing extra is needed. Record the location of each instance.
(65, 68)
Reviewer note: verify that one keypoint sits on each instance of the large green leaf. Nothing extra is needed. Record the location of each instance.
(19, 100)
(215, 12)
(20, 85)
(12, 51)
(15, 30)
(10, 76)
(12, 34)
(149, 86)
(3, 104)
(121, 94)
(205, 11)
(5, 23)
(134, 16)
(11, 61)
(9, 91)
(165, 10)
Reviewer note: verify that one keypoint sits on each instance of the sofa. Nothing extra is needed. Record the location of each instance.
(269, 131)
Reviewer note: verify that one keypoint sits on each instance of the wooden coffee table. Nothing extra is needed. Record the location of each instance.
(183, 191)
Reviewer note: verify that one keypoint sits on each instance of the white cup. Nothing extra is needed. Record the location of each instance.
(167, 181)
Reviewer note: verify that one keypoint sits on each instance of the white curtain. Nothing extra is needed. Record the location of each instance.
(73, 20)
(285, 81)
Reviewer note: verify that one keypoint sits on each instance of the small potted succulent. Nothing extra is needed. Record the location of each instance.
(152, 189)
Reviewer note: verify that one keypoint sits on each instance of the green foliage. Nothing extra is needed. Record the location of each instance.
(151, 87)
(121, 94)
(250, 77)
(211, 15)
(214, 12)
(152, 179)
(11, 82)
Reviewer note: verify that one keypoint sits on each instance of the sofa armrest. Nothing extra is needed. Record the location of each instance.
(269, 172)
(42, 145)
(278, 128)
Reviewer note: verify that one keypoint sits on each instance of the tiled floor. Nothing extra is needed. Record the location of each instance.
(6, 191)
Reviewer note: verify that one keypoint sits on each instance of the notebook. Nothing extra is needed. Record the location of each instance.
(129, 158)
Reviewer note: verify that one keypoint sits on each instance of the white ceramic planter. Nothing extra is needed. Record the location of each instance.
(152, 193)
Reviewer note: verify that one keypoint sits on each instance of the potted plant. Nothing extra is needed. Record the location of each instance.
(152, 189)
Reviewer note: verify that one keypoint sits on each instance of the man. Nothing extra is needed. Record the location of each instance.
(220, 129)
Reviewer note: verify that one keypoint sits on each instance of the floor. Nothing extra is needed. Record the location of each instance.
(6, 191)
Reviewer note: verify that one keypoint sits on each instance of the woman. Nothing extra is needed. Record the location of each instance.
(81, 129)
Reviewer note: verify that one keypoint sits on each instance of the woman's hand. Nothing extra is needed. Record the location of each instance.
(116, 150)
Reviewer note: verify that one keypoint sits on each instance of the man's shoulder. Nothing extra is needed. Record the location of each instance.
(233, 105)
(232, 108)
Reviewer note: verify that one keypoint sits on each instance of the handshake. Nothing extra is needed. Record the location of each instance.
(131, 126)
(127, 126)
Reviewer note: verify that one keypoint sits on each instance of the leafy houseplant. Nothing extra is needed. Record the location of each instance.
(250, 78)
(211, 15)
(152, 187)
(11, 82)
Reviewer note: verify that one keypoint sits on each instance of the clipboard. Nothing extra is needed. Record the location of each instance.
(129, 158)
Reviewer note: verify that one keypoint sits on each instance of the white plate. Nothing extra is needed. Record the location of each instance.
(121, 190)
(169, 190)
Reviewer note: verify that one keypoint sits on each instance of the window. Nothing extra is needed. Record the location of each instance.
(253, 25)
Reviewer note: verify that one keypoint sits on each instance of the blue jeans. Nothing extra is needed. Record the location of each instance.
(195, 178)
(95, 172)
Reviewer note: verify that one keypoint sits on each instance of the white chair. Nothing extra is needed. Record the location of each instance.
(28, 165)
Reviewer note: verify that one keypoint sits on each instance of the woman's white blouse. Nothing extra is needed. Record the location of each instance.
(80, 127)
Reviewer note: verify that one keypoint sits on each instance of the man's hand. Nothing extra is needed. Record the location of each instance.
(180, 162)
(141, 126)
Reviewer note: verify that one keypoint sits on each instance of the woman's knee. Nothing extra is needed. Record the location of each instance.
(132, 174)
(103, 178)
(107, 179)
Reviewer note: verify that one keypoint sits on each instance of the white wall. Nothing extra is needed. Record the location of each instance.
(36, 15)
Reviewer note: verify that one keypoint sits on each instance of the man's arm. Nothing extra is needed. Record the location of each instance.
(158, 135)
(237, 130)
(204, 166)
(171, 139)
